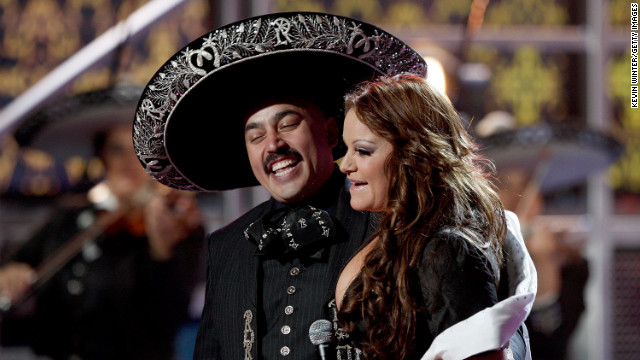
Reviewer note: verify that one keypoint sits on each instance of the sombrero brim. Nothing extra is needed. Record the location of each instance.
(67, 126)
(188, 131)
(566, 154)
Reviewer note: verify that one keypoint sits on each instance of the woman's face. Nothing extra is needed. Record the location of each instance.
(364, 164)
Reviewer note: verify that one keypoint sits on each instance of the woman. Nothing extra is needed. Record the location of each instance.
(436, 256)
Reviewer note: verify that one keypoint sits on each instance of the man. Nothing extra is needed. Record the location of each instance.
(273, 271)
(532, 162)
(562, 270)
(289, 145)
(124, 293)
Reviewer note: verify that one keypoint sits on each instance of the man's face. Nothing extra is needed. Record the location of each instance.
(289, 146)
(123, 171)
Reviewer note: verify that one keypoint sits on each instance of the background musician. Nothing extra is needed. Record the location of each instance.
(533, 162)
(124, 295)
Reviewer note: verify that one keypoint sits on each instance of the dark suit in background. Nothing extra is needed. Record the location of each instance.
(111, 301)
(551, 326)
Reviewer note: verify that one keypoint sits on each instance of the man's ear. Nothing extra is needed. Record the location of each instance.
(332, 131)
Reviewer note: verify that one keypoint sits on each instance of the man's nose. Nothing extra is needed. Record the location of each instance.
(275, 142)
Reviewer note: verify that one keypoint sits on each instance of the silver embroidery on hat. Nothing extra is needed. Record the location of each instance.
(252, 37)
(282, 27)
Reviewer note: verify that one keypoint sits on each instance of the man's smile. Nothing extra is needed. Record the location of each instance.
(283, 167)
(282, 164)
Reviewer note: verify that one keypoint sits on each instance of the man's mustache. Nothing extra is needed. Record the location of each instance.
(280, 154)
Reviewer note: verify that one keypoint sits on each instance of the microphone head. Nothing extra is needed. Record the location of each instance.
(320, 332)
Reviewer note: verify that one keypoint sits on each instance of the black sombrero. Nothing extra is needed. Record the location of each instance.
(188, 126)
(566, 154)
(65, 129)
(67, 126)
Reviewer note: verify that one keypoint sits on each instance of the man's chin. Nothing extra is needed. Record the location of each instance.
(287, 195)
(288, 191)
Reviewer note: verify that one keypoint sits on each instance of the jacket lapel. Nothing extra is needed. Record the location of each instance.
(252, 273)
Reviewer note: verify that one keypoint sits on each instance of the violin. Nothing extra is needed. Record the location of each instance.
(127, 215)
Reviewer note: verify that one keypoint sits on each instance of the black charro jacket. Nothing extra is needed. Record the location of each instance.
(229, 324)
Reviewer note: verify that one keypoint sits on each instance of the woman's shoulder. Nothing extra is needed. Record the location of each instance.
(450, 244)
(456, 279)
(451, 253)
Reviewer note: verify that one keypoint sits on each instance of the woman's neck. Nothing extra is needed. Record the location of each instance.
(351, 271)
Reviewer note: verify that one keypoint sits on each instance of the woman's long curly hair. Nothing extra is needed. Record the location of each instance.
(438, 181)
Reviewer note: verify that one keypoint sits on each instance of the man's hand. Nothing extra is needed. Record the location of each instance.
(15, 281)
(170, 217)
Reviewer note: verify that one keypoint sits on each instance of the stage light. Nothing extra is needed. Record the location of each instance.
(435, 74)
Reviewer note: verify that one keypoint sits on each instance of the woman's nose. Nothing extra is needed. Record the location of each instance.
(346, 165)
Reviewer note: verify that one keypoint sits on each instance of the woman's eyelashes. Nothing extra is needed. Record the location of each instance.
(364, 151)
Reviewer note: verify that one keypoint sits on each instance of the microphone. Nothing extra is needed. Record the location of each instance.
(321, 334)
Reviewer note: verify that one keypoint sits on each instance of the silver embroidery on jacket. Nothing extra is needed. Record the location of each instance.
(249, 335)
(343, 348)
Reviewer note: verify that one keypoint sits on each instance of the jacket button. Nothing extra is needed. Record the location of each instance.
(75, 287)
(294, 271)
(286, 329)
(79, 269)
(291, 290)
(288, 310)
(284, 351)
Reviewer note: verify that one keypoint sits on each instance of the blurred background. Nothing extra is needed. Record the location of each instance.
(510, 67)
